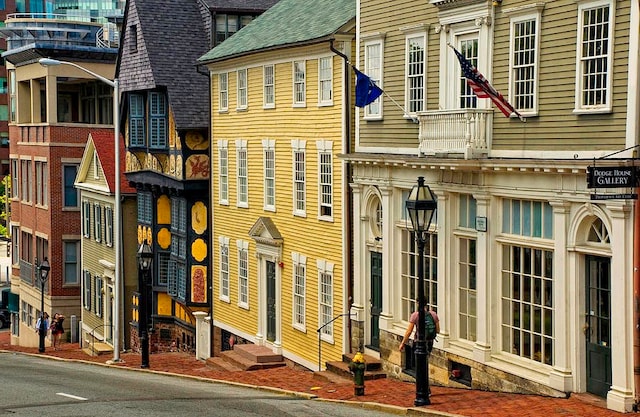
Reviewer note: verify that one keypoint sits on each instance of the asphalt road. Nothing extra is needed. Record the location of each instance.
(32, 386)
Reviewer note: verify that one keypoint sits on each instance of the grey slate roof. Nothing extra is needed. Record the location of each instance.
(173, 37)
(288, 22)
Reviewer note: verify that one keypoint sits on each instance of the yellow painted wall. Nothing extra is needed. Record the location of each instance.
(305, 235)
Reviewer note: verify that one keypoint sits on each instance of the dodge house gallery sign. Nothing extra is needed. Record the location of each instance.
(611, 177)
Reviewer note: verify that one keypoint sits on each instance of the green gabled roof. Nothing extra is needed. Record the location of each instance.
(288, 22)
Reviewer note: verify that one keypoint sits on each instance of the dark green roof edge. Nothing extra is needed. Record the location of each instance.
(289, 22)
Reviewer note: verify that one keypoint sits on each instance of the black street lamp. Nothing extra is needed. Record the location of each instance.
(43, 273)
(421, 205)
(145, 260)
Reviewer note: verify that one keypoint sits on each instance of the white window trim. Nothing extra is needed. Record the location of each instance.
(221, 91)
(302, 103)
(326, 267)
(298, 145)
(240, 106)
(371, 41)
(411, 33)
(269, 144)
(243, 246)
(265, 103)
(241, 145)
(471, 19)
(579, 107)
(325, 147)
(224, 243)
(299, 260)
(223, 145)
(518, 15)
(321, 102)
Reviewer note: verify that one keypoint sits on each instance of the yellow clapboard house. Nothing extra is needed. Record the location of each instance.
(279, 123)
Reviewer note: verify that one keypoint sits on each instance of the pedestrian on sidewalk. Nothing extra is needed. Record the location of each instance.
(44, 316)
(57, 330)
(413, 320)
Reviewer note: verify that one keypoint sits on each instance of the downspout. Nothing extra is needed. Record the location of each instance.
(346, 191)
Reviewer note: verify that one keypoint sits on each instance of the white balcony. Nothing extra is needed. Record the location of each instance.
(465, 132)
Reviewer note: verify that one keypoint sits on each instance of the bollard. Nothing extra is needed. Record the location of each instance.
(357, 367)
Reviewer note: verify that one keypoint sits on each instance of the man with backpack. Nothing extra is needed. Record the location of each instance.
(432, 326)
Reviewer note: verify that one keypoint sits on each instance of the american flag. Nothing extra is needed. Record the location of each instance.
(482, 88)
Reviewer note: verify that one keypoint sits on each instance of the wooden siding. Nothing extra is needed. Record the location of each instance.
(556, 128)
(309, 236)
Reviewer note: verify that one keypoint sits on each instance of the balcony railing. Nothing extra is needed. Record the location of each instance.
(450, 132)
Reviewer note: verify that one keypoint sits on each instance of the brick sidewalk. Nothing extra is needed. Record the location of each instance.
(388, 391)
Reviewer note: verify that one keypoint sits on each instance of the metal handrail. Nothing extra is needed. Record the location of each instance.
(320, 336)
(93, 336)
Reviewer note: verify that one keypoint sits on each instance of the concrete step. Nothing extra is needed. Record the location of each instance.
(371, 363)
(256, 353)
(98, 349)
(342, 369)
(220, 364)
(250, 359)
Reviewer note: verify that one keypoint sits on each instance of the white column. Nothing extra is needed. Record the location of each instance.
(445, 217)
(561, 376)
(203, 335)
(621, 396)
(390, 275)
(484, 322)
(359, 268)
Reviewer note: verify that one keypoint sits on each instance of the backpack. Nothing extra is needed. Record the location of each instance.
(429, 326)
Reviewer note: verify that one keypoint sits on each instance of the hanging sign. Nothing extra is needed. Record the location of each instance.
(611, 177)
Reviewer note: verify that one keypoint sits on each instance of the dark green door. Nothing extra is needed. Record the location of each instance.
(271, 301)
(376, 299)
(598, 324)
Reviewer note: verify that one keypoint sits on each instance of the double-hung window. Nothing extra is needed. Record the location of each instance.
(42, 183)
(70, 192)
(468, 47)
(86, 219)
(136, 120)
(27, 181)
(268, 146)
(71, 254)
(269, 86)
(86, 290)
(299, 178)
(593, 72)
(243, 273)
(415, 62)
(325, 81)
(242, 173)
(15, 189)
(325, 180)
(242, 89)
(108, 223)
(299, 84)
(325, 299)
(157, 120)
(373, 68)
(223, 174)
(223, 96)
(523, 91)
(224, 268)
(467, 268)
(299, 290)
(97, 222)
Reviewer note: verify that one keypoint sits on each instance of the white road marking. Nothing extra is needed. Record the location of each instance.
(75, 397)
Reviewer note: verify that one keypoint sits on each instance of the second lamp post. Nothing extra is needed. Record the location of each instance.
(43, 275)
(145, 261)
(421, 205)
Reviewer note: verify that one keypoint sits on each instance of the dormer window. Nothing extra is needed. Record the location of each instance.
(148, 120)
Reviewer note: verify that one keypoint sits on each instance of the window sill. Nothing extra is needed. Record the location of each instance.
(603, 110)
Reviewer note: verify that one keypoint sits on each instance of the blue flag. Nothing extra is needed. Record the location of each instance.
(366, 89)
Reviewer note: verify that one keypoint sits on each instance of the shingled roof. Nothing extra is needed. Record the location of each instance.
(171, 37)
(288, 22)
(240, 5)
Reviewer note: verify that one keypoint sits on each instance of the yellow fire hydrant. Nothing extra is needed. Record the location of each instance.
(357, 367)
